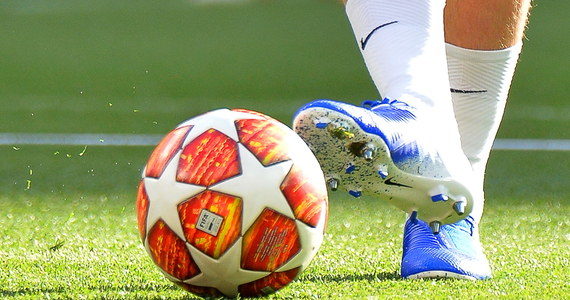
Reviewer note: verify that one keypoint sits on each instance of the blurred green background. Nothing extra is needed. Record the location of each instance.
(142, 66)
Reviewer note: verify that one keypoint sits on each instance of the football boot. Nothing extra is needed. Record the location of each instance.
(391, 150)
(455, 252)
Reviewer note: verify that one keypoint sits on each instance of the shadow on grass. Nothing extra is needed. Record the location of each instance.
(331, 278)
(111, 291)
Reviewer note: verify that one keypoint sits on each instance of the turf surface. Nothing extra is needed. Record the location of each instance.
(67, 222)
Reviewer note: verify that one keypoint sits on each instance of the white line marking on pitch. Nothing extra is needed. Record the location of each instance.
(78, 139)
(109, 139)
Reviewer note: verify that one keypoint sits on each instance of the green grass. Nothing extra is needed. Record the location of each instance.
(65, 243)
(67, 220)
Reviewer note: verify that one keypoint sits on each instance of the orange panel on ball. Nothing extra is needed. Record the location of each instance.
(142, 210)
(162, 154)
(169, 252)
(211, 221)
(256, 113)
(264, 139)
(270, 242)
(307, 197)
(268, 284)
(209, 158)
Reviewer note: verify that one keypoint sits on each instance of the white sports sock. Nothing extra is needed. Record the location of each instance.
(480, 82)
(402, 43)
(403, 46)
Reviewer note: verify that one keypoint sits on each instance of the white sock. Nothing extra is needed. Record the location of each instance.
(402, 43)
(403, 46)
(480, 82)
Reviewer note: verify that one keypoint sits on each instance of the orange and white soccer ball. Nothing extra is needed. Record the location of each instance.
(232, 202)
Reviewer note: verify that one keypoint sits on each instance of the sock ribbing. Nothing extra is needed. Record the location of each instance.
(480, 82)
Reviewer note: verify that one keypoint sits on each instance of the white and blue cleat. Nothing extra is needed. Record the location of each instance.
(386, 149)
(453, 253)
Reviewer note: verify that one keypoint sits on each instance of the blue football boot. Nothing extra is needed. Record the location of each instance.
(388, 149)
(453, 253)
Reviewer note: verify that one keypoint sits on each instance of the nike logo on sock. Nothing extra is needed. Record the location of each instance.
(457, 91)
(364, 41)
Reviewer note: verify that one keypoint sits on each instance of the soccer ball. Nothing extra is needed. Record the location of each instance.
(232, 202)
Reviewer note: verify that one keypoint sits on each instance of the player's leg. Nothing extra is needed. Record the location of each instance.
(485, 39)
(406, 148)
(486, 24)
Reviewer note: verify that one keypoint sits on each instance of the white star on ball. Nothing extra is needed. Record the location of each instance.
(258, 186)
(222, 120)
(164, 195)
(224, 273)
